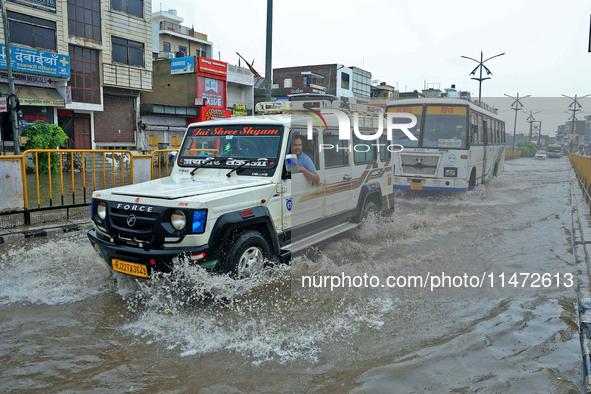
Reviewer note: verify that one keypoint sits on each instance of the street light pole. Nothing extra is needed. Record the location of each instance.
(11, 96)
(481, 66)
(269, 49)
(516, 106)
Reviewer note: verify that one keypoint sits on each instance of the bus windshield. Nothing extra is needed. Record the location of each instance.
(445, 127)
(399, 137)
(554, 148)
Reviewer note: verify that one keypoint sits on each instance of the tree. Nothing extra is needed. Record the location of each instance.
(528, 149)
(42, 135)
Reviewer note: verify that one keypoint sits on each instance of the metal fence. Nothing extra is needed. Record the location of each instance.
(57, 184)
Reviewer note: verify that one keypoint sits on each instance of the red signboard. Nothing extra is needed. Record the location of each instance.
(212, 91)
(211, 83)
(213, 67)
(209, 113)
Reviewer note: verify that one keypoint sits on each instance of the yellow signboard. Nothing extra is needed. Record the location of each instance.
(410, 109)
(446, 110)
(41, 101)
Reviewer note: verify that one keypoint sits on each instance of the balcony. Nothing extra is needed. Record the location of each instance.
(124, 76)
(164, 25)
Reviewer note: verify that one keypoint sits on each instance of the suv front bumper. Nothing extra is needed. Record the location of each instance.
(153, 259)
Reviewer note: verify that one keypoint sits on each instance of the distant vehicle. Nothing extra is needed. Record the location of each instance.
(459, 145)
(554, 151)
(541, 155)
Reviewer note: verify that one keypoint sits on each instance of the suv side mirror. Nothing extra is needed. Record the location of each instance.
(291, 163)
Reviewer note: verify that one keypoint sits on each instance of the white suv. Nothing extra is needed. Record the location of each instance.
(236, 199)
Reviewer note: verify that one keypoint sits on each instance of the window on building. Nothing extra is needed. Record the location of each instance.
(306, 81)
(128, 52)
(84, 75)
(166, 46)
(132, 7)
(183, 50)
(200, 53)
(84, 19)
(31, 31)
(345, 81)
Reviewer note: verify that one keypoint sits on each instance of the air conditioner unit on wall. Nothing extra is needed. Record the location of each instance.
(166, 55)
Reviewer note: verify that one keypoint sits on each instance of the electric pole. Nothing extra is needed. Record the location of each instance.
(268, 54)
(11, 96)
(574, 107)
(516, 106)
(530, 119)
(481, 66)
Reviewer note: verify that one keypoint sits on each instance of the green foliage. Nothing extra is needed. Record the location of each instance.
(42, 135)
(528, 149)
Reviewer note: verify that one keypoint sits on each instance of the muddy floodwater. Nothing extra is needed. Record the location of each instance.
(70, 324)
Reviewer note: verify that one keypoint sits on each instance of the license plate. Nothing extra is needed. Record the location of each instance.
(416, 186)
(130, 268)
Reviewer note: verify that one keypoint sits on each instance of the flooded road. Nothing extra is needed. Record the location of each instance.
(69, 324)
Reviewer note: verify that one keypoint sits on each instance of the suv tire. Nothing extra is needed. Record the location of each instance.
(246, 255)
(370, 208)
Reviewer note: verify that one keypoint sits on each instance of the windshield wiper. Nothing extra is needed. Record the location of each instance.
(203, 164)
(245, 163)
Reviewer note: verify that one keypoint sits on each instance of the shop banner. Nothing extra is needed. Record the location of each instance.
(208, 113)
(182, 65)
(45, 5)
(36, 62)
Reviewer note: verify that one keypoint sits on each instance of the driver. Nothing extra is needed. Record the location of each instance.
(305, 164)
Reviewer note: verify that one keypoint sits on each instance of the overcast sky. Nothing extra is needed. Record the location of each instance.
(407, 43)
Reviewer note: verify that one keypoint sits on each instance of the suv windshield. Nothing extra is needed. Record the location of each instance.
(232, 144)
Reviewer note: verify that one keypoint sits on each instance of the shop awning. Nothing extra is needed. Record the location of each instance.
(32, 95)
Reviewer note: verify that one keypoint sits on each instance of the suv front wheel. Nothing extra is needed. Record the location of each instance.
(247, 255)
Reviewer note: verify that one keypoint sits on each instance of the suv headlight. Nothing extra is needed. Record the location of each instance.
(101, 210)
(178, 220)
(450, 172)
(199, 218)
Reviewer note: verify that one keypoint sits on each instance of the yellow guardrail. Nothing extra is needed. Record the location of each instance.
(512, 154)
(66, 178)
(71, 174)
(582, 167)
(77, 162)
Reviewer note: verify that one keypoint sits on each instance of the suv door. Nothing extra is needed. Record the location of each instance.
(306, 205)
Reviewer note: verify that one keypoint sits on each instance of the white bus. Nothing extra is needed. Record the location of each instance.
(459, 145)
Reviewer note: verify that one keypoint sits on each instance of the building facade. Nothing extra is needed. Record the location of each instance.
(81, 65)
(170, 39)
(334, 79)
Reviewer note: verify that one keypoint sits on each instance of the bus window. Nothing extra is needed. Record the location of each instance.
(445, 127)
(480, 135)
(473, 129)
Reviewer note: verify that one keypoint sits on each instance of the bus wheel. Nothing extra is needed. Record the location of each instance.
(472, 179)
(247, 255)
